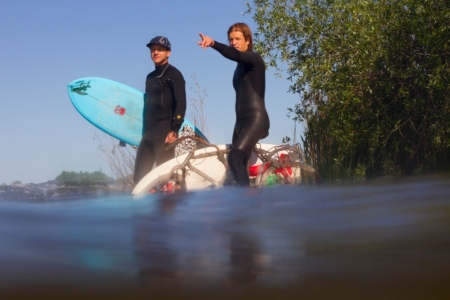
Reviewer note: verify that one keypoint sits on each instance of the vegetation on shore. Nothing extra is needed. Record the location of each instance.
(83, 178)
(77, 179)
(65, 184)
(373, 78)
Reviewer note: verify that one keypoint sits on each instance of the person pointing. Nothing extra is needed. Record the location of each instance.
(249, 82)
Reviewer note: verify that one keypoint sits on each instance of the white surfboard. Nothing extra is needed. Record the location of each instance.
(211, 166)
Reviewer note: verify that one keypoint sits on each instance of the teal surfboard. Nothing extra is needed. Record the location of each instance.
(115, 108)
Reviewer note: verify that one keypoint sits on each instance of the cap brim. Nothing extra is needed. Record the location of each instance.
(149, 44)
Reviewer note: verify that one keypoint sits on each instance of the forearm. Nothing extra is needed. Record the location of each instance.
(227, 51)
(247, 57)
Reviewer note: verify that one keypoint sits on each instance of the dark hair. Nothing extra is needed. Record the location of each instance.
(246, 31)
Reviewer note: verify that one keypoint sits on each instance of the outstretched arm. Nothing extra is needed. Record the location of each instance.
(231, 53)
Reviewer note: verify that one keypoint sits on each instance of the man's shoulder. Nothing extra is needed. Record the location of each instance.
(256, 56)
(174, 72)
(172, 68)
(251, 58)
(152, 74)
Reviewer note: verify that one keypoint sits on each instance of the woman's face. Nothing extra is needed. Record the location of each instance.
(237, 41)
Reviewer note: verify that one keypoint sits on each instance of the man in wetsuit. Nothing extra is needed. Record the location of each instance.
(164, 109)
(249, 82)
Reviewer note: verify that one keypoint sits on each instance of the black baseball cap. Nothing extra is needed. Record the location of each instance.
(160, 40)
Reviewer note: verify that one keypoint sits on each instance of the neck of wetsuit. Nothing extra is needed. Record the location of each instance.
(161, 68)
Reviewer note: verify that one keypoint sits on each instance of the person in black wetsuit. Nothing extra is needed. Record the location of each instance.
(164, 109)
(249, 81)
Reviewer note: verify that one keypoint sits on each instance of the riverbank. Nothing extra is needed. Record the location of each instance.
(53, 188)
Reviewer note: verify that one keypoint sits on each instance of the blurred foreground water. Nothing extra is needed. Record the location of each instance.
(380, 240)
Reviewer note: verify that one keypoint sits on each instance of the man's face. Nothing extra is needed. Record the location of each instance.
(237, 41)
(159, 54)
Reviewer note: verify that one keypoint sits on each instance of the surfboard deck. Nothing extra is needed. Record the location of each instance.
(117, 109)
(209, 165)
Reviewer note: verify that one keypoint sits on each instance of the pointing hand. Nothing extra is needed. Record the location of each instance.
(206, 41)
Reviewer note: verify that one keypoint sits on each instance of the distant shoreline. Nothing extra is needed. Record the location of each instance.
(53, 189)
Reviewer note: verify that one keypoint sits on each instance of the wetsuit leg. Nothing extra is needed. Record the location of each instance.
(149, 153)
(145, 159)
(244, 141)
(238, 165)
(163, 155)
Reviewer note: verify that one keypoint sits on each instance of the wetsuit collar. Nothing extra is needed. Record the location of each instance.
(160, 69)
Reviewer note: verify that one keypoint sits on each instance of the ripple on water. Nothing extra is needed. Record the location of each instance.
(380, 240)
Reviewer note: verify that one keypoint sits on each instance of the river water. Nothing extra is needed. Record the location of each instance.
(381, 240)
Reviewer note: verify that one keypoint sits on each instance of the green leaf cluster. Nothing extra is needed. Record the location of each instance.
(373, 79)
(83, 178)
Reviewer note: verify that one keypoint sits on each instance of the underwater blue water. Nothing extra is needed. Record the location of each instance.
(387, 238)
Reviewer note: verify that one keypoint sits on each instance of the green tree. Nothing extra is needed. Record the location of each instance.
(83, 178)
(373, 79)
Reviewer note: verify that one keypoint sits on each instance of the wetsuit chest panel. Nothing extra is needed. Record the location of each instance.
(158, 112)
(162, 89)
(249, 86)
(244, 78)
(249, 82)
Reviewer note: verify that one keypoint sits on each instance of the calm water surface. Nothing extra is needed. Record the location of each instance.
(382, 240)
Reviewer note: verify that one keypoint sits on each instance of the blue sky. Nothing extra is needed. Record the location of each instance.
(46, 44)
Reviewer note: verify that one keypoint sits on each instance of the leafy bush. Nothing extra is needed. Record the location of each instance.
(373, 79)
(83, 178)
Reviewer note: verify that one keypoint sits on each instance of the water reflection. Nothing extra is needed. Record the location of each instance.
(243, 259)
(151, 237)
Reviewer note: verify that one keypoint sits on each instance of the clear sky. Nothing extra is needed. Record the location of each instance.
(46, 44)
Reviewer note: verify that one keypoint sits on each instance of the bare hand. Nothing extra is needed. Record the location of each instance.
(171, 137)
(206, 41)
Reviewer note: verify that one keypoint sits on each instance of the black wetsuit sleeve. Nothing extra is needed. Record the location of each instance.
(178, 87)
(144, 113)
(247, 57)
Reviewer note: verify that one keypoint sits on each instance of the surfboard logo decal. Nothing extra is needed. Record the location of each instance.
(120, 110)
(80, 87)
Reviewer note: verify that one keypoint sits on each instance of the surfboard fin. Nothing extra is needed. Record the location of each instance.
(122, 144)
